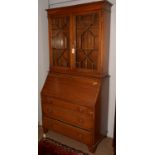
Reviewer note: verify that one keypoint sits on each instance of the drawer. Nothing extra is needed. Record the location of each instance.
(68, 116)
(67, 130)
(70, 106)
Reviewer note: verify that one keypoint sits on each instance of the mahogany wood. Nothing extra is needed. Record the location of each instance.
(88, 35)
(76, 88)
(78, 119)
(68, 130)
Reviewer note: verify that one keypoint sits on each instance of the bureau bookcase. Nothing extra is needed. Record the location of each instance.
(74, 95)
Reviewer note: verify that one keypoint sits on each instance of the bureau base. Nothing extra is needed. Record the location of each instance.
(81, 135)
(91, 148)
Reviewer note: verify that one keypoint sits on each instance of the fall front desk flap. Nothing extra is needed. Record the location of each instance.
(83, 91)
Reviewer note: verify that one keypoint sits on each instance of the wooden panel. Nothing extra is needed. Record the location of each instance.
(105, 40)
(82, 110)
(87, 40)
(68, 116)
(60, 40)
(77, 90)
(67, 130)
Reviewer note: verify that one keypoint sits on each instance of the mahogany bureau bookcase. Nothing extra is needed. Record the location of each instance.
(75, 89)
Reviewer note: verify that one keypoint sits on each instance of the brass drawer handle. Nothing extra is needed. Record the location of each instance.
(95, 83)
(91, 112)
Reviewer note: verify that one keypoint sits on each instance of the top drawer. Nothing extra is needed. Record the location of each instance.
(69, 106)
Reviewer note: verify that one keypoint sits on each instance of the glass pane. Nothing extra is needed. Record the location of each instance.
(60, 41)
(87, 38)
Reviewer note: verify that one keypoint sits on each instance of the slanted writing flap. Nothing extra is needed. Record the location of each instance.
(80, 90)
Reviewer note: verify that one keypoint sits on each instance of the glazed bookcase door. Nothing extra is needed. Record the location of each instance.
(87, 41)
(60, 41)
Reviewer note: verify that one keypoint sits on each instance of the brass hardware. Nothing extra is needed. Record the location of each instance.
(91, 113)
(44, 135)
(95, 83)
(73, 50)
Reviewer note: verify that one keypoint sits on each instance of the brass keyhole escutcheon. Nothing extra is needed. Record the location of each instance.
(73, 50)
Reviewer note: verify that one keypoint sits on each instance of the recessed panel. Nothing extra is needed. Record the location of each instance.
(60, 40)
(87, 41)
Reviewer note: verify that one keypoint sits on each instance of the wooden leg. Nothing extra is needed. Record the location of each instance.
(45, 130)
(92, 148)
(44, 135)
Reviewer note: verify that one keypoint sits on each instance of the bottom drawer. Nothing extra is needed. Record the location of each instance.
(67, 130)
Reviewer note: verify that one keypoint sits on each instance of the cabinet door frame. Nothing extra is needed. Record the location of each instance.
(50, 40)
(98, 69)
(71, 69)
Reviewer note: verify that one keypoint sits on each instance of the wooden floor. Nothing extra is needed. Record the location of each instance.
(104, 148)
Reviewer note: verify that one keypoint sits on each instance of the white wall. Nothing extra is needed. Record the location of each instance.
(44, 55)
(112, 70)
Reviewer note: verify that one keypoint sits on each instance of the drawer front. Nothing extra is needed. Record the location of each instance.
(68, 116)
(70, 106)
(67, 130)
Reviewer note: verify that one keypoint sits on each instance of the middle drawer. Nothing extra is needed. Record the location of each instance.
(68, 116)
